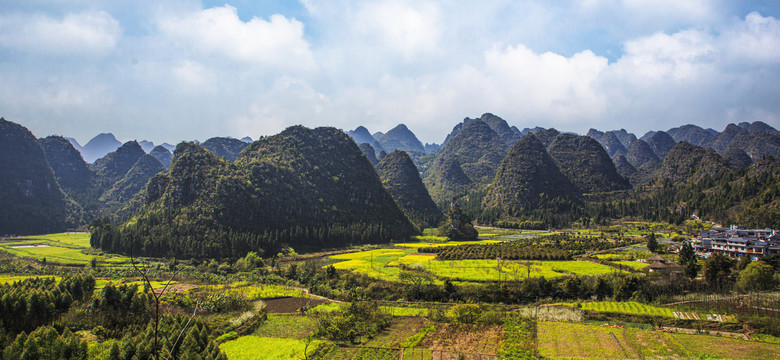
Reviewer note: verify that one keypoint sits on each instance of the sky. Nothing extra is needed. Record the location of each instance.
(183, 69)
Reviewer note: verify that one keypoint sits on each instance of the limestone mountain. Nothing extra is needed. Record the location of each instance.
(133, 181)
(737, 157)
(623, 167)
(758, 145)
(648, 135)
(399, 138)
(640, 153)
(76, 146)
(170, 147)
(625, 138)
(758, 127)
(99, 146)
(586, 164)
(660, 142)
(476, 150)
(115, 165)
(499, 125)
(692, 134)
(71, 171)
(510, 135)
(432, 148)
(361, 135)
(31, 201)
(225, 147)
(146, 145)
(595, 134)
(402, 181)
(445, 180)
(162, 154)
(247, 139)
(529, 183)
(546, 136)
(722, 140)
(368, 150)
(687, 163)
(310, 189)
(612, 145)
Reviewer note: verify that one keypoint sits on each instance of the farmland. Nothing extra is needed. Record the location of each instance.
(65, 249)
(385, 264)
(577, 340)
(276, 312)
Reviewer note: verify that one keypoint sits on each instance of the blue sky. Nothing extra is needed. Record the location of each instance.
(181, 69)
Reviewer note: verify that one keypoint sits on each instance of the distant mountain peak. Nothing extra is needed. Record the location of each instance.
(400, 138)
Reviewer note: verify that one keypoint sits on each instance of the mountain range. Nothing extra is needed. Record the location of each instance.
(319, 188)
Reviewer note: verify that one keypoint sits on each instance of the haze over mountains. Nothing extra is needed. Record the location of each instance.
(303, 184)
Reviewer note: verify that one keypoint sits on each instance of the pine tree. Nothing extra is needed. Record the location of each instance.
(652, 243)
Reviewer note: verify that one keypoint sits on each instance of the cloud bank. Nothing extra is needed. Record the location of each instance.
(189, 71)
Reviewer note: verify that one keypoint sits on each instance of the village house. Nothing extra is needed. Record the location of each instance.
(737, 242)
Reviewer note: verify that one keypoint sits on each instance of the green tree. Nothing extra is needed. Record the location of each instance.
(717, 270)
(687, 254)
(652, 243)
(743, 262)
(757, 275)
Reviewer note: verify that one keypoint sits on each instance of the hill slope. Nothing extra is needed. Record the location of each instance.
(225, 147)
(31, 201)
(402, 181)
(310, 189)
(528, 184)
(586, 164)
(476, 151)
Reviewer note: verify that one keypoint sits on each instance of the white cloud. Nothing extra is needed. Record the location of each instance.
(658, 58)
(85, 33)
(192, 76)
(756, 40)
(218, 31)
(405, 28)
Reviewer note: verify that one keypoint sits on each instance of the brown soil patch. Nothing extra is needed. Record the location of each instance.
(464, 338)
(176, 288)
(291, 304)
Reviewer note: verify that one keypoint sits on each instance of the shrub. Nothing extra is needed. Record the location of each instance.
(466, 313)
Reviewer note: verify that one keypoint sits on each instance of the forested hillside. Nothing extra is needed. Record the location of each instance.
(302, 188)
(401, 179)
(31, 201)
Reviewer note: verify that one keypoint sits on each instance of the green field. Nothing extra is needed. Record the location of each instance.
(63, 249)
(291, 326)
(253, 291)
(384, 264)
(80, 239)
(267, 348)
(624, 307)
(632, 264)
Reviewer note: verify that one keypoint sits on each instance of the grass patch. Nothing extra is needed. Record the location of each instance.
(633, 264)
(286, 326)
(262, 348)
(80, 239)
